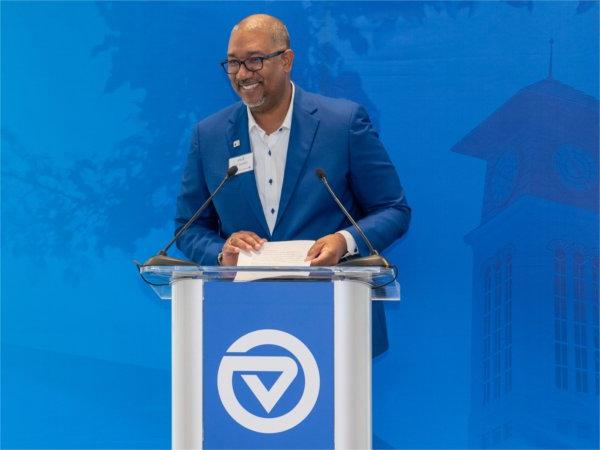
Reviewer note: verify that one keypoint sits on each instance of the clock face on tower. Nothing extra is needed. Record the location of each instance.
(503, 178)
(575, 167)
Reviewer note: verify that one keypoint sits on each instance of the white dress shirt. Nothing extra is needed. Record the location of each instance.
(269, 152)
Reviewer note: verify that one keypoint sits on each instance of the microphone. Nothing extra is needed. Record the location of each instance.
(161, 258)
(374, 259)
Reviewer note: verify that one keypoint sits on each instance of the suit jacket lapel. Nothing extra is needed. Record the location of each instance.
(302, 135)
(246, 182)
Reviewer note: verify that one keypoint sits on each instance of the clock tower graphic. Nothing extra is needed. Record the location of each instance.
(534, 338)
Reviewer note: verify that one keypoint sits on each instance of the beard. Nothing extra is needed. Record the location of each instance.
(254, 106)
(251, 100)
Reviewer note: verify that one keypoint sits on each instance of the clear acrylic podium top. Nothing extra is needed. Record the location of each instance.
(382, 280)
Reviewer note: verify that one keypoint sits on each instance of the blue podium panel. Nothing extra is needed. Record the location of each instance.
(268, 365)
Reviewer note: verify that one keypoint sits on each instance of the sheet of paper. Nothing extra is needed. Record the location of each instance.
(282, 253)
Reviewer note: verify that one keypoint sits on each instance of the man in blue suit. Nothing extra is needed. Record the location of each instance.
(278, 135)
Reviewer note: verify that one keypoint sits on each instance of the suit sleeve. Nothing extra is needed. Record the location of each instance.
(202, 242)
(375, 185)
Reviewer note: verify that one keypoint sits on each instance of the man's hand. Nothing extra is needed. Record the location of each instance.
(327, 251)
(238, 241)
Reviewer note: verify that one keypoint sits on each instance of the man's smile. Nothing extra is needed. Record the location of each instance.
(249, 85)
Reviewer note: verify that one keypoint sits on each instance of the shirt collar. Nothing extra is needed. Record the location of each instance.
(287, 122)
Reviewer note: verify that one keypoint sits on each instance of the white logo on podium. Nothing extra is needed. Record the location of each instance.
(268, 398)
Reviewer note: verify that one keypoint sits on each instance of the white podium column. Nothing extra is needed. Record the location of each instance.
(186, 360)
(352, 365)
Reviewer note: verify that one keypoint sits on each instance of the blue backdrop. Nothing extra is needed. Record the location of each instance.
(494, 132)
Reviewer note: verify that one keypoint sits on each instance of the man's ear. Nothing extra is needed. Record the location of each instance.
(288, 60)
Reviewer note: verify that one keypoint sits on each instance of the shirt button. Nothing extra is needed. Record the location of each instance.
(272, 211)
(270, 180)
(269, 152)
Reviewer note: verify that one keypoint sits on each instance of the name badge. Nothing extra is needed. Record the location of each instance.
(244, 163)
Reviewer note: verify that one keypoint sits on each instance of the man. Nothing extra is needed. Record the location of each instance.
(283, 134)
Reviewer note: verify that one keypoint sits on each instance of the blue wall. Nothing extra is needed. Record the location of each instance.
(97, 104)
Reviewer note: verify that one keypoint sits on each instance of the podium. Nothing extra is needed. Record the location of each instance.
(279, 360)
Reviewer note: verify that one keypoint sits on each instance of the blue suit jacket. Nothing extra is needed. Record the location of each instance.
(333, 134)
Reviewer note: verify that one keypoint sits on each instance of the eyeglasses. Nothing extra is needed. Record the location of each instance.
(253, 64)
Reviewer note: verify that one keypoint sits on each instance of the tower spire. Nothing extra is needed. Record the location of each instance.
(551, 57)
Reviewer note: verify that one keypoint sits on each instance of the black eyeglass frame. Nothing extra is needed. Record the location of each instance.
(259, 58)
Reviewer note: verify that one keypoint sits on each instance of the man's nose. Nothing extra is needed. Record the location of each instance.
(243, 73)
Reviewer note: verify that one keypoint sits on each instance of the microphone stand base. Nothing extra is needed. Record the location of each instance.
(367, 261)
(164, 260)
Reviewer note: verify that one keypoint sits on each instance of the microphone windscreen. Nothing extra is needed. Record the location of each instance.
(320, 173)
(232, 171)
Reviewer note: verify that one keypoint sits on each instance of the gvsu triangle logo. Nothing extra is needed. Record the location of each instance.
(268, 397)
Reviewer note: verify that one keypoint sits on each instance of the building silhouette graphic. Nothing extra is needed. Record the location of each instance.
(534, 375)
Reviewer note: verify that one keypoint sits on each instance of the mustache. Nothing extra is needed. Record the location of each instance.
(248, 81)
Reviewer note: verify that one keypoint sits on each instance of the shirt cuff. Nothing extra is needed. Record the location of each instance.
(350, 243)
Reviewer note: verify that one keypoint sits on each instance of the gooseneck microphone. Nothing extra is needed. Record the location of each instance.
(161, 258)
(374, 259)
